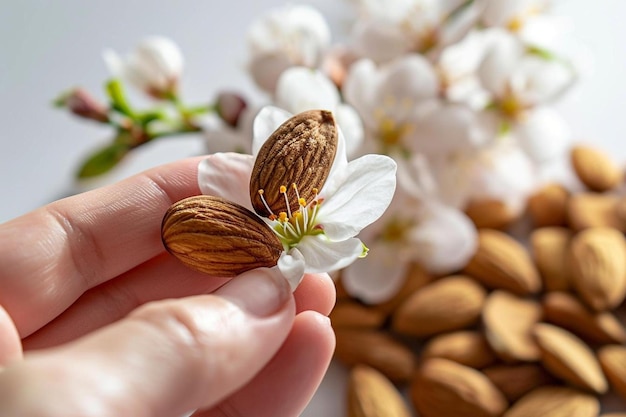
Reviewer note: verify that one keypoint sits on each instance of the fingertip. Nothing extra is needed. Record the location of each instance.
(317, 293)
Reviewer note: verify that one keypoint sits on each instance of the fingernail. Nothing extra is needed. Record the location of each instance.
(261, 292)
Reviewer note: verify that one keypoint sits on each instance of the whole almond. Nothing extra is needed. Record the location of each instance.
(443, 388)
(613, 361)
(555, 402)
(447, 304)
(218, 237)
(508, 321)
(416, 278)
(467, 347)
(355, 315)
(488, 213)
(548, 206)
(371, 394)
(301, 152)
(598, 267)
(585, 210)
(549, 246)
(569, 358)
(516, 380)
(376, 349)
(502, 262)
(567, 311)
(595, 169)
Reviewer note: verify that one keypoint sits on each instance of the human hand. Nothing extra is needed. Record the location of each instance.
(112, 325)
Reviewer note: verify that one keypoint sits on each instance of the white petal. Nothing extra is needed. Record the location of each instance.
(301, 88)
(360, 87)
(361, 197)
(543, 135)
(265, 123)
(377, 277)
(412, 77)
(226, 175)
(378, 40)
(323, 255)
(291, 265)
(266, 69)
(351, 127)
(500, 61)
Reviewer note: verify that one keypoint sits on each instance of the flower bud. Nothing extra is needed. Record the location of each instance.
(230, 106)
(83, 104)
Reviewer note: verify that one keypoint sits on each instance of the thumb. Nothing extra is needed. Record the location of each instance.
(164, 359)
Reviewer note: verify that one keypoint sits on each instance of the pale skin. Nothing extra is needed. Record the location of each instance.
(97, 319)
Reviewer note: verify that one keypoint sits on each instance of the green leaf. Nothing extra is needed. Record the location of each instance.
(115, 90)
(103, 160)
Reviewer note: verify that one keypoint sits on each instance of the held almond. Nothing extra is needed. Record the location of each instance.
(549, 246)
(568, 312)
(613, 361)
(587, 210)
(448, 304)
(508, 322)
(370, 394)
(376, 349)
(569, 358)
(598, 267)
(467, 347)
(355, 315)
(301, 152)
(491, 214)
(217, 237)
(548, 206)
(555, 402)
(443, 388)
(516, 380)
(502, 262)
(595, 169)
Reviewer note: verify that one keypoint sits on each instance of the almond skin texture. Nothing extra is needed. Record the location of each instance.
(516, 380)
(448, 304)
(354, 315)
(467, 347)
(555, 402)
(549, 246)
(491, 214)
(502, 262)
(598, 267)
(301, 152)
(587, 210)
(508, 321)
(548, 206)
(613, 361)
(218, 237)
(443, 388)
(569, 358)
(370, 394)
(595, 169)
(376, 349)
(567, 311)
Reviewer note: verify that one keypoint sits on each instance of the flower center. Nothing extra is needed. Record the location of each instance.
(292, 226)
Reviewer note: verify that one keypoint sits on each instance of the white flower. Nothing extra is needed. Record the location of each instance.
(222, 137)
(288, 36)
(153, 67)
(300, 89)
(320, 236)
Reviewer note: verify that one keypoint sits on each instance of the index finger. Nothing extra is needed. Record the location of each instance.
(49, 257)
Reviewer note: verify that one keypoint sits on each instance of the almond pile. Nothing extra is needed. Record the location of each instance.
(532, 326)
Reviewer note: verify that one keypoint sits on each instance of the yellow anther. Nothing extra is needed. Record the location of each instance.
(261, 192)
(283, 189)
(294, 186)
(282, 216)
(302, 202)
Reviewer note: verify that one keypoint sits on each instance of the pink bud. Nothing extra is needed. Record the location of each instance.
(230, 106)
(83, 104)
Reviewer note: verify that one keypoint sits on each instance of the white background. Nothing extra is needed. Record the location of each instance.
(47, 47)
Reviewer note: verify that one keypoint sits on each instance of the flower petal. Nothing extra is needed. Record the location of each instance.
(291, 265)
(360, 196)
(351, 127)
(301, 88)
(265, 123)
(377, 277)
(226, 175)
(544, 135)
(323, 255)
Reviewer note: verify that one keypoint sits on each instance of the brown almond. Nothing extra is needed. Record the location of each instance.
(301, 152)
(585, 210)
(416, 278)
(444, 388)
(371, 394)
(548, 206)
(502, 262)
(555, 402)
(613, 415)
(488, 213)
(448, 304)
(467, 347)
(598, 267)
(613, 361)
(508, 321)
(355, 315)
(516, 380)
(376, 349)
(595, 169)
(218, 237)
(569, 358)
(549, 246)
(567, 311)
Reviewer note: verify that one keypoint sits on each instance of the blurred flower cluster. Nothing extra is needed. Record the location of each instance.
(460, 93)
